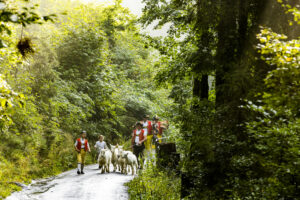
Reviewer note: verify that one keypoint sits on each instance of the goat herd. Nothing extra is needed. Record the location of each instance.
(122, 160)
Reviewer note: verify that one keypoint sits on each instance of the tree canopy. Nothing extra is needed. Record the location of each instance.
(226, 77)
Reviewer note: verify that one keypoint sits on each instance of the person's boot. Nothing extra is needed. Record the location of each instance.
(78, 167)
(82, 165)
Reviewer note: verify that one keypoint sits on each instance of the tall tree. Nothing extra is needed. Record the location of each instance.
(223, 34)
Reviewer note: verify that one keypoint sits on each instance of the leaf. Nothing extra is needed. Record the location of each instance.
(288, 59)
(3, 102)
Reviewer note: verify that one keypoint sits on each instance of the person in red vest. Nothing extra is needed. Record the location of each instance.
(147, 127)
(137, 141)
(81, 146)
(157, 128)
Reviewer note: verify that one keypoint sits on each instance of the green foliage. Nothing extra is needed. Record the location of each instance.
(9, 100)
(10, 12)
(219, 140)
(276, 128)
(282, 82)
(152, 184)
(90, 71)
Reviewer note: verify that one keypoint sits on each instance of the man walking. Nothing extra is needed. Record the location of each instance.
(137, 141)
(147, 127)
(101, 144)
(81, 146)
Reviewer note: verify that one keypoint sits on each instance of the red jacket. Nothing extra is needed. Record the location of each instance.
(149, 127)
(160, 130)
(141, 136)
(79, 144)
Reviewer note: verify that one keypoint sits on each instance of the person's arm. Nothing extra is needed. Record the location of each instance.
(145, 138)
(105, 146)
(95, 145)
(75, 145)
(132, 140)
(89, 149)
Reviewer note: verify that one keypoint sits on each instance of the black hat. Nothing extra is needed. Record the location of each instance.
(138, 123)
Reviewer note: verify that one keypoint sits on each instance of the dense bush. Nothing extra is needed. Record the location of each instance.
(153, 183)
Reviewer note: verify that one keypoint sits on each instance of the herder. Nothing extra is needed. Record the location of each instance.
(147, 127)
(137, 142)
(81, 146)
(101, 144)
(158, 128)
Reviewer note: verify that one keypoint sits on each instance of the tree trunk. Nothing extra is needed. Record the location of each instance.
(204, 87)
(226, 54)
(201, 87)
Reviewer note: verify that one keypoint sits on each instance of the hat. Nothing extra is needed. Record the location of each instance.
(138, 123)
(146, 116)
(155, 117)
(83, 131)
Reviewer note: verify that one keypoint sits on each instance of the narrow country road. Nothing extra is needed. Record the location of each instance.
(69, 186)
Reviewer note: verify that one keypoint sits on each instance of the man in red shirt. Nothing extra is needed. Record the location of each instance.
(81, 146)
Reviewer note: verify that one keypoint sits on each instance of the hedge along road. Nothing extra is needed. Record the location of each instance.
(70, 186)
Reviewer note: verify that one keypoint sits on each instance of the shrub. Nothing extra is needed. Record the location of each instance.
(152, 183)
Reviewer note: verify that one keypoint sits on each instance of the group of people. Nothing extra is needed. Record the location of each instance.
(146, 134)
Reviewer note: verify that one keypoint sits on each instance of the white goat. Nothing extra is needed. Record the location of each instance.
(115, 154)
(104, 160)
(131, 160)
(122, 162)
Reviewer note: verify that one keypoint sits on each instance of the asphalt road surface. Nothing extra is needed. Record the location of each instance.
(69, 186)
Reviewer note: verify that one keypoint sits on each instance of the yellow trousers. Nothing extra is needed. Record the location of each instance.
(159, 137)
(81, 156)
(148, 142)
